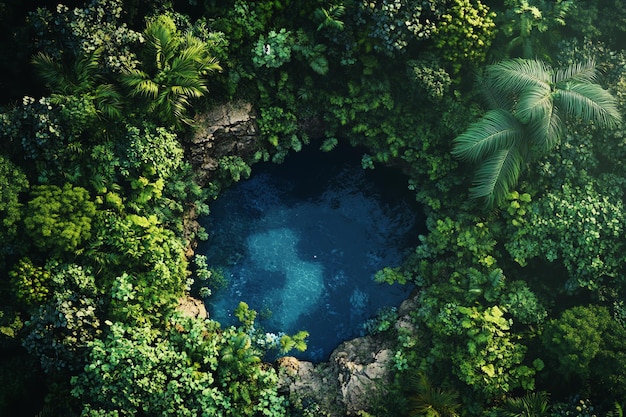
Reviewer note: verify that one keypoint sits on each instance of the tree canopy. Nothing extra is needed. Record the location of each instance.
(519, 304)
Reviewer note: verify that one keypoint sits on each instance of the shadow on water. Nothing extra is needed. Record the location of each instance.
(300, 243)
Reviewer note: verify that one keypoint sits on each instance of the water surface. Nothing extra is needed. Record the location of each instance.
(300, 243)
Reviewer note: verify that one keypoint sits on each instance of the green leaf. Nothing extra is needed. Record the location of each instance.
(591, 103)
(497, 130)
(514, 76)
(534, 103)
(489, 370)
(496, 175)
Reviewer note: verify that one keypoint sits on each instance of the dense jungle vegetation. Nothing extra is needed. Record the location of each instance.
(505, 117)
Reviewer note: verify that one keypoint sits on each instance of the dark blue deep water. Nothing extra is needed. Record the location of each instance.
(300, 243)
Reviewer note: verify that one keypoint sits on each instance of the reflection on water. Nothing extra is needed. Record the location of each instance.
(301, 242)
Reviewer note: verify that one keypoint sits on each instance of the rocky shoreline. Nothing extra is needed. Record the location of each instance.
(358, 371)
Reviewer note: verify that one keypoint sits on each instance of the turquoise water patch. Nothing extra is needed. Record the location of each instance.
(275, 251)
(301, 242)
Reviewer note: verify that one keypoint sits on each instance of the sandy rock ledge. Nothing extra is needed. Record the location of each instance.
(356, 371)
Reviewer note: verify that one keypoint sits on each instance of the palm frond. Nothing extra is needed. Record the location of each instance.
(140, 84)
(497, 130)
(50, 71)
(513, 76)
(495, 99)
(584, 72)
(177, 72)
(184, 68)
(162, 41)
(192, 48)
(426, 400)
(85, 70)
(496, 175)
(330, 17)
(211, 65)
(108, 101)
(534, 104)
(534, 404)
(591, 103)
(190, 91)
(544, 134)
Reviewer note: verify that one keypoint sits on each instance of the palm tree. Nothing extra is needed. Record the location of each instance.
(534, 404)
(174, 72)
(330, 18)
(81, 78)
(428, 401)
(529, 100)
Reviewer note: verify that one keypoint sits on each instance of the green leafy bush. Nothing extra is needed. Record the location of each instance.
(464, 33)
(193, 368)
(59, 219)
(98, 25)
(273, 50)
(579, 226)
(61, 326)
(150, 150)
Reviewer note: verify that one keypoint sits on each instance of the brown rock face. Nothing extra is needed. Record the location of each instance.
(228, 130)
(356, 371)
(192, 307)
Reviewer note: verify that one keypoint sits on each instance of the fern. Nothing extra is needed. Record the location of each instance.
(329, 144)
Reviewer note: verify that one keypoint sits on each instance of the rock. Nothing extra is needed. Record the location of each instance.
(361, 365)
(308, 384)
(404, 322)
(192, 307)
(228, 130)
(410, 304)
(343, 385)
(191, 227)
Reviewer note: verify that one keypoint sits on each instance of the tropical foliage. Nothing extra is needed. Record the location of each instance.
(427, 400)
(518, 310)
(174, 71)
(530, 101)
(83, 78)
(530, 405)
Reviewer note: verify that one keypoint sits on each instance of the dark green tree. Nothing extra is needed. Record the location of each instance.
(529, 101)
(576, 338)
(531, 27)
(12, 183)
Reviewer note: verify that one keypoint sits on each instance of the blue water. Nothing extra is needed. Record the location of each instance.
(300, 243)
